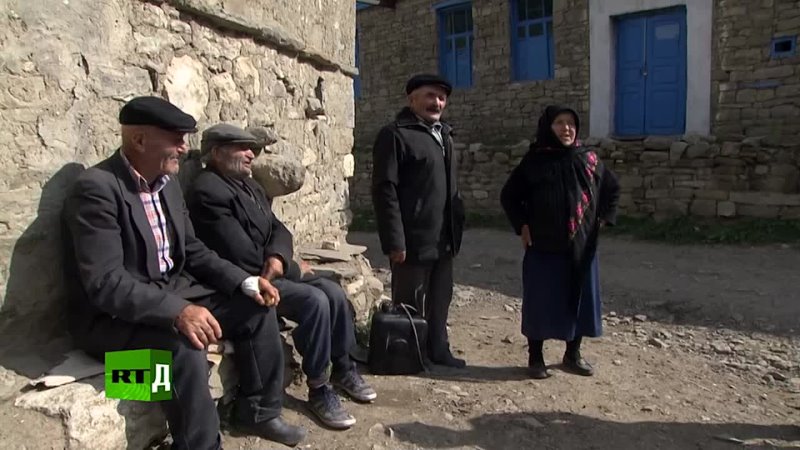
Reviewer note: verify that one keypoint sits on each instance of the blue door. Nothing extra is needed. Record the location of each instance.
(651, 74)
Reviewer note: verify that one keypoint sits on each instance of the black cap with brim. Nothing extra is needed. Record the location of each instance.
(157, 112)
(225, 133)
(417, 81)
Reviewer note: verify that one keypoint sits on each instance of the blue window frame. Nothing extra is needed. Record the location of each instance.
(360, 6)
(532, 49)
(783, 47)
(357, 78)
(455, 42)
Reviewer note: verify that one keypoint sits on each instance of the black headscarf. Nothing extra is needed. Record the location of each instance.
(578, 191)
(545, 137)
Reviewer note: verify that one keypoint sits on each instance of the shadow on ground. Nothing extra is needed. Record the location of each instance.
(573, 431)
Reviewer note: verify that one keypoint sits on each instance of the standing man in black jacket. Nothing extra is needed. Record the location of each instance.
(232, 215)
(419, 210)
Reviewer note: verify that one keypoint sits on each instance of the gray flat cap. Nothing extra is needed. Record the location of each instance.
(225, 133)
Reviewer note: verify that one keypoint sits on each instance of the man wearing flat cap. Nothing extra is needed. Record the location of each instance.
(142, 280)
(419, 211)
(232, 215)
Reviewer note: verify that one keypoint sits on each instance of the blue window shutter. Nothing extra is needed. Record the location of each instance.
(455, 44)
(357, 78)
(532, 43)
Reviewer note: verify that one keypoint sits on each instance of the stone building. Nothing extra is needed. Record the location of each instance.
(66, 67)
(696, 104)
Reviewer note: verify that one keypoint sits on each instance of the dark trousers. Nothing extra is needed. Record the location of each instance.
(432, 284)
(324, 333)
(191, 414)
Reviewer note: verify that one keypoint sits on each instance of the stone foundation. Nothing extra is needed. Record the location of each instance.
(661, 177)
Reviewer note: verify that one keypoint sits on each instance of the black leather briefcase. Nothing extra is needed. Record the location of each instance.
(397, 341)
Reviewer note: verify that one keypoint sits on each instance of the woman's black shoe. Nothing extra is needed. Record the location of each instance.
(578, 366)
(538, 371)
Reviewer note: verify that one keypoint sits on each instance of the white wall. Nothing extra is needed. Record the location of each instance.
(602, 58)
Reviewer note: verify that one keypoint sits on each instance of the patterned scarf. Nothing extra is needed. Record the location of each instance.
(578, 167)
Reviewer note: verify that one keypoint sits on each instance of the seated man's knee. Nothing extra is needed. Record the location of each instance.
(184, 354)
(334, 293)
(317, 302)
(189, 356)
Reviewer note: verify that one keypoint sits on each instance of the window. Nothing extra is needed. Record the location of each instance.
(455, 43)
(357, 78)
(783, 47)
(532, 50)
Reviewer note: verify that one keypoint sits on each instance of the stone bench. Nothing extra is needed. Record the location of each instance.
(92, 421)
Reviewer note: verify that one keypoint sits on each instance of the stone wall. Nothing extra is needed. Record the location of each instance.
(690, 175)
(750, 167)
(67, 67)
(754, 94)
(397, 43)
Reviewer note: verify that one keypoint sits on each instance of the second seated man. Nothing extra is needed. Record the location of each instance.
(232, 215)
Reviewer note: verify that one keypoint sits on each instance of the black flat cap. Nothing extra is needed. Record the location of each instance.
(225, 133)
(157, 112)
(424, 79)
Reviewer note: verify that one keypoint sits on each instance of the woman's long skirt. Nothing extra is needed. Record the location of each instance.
(547, 310)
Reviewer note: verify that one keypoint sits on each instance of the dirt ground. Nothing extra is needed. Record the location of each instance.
(700, 352)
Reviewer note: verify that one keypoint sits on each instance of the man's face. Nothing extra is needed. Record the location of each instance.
(162, 150)
(235, 160)
(428, 102)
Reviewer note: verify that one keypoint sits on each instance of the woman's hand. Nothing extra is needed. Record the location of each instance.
(525, 235)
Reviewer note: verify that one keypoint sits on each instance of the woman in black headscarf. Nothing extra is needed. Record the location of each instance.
(557, 199)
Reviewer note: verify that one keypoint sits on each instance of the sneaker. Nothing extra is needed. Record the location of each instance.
(354, 385)
(325, 404)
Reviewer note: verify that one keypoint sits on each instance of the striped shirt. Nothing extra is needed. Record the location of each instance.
(151, 200)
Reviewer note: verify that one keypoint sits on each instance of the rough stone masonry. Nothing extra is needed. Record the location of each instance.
(749, 165)
(282, 67)
(66, 68)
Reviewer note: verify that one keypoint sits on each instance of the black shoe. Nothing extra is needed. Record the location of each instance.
(447, 359)
(538, 371)
(578, 365)
(325, 404)
(276, 430)
(354, 385)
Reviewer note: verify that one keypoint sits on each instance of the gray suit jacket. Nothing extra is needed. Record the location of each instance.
(117, 283)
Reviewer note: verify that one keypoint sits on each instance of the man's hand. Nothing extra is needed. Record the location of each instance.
(525, 235)
(269, 295)
(397, 256)
(199, 325)
(305, 267)
(273, 268)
